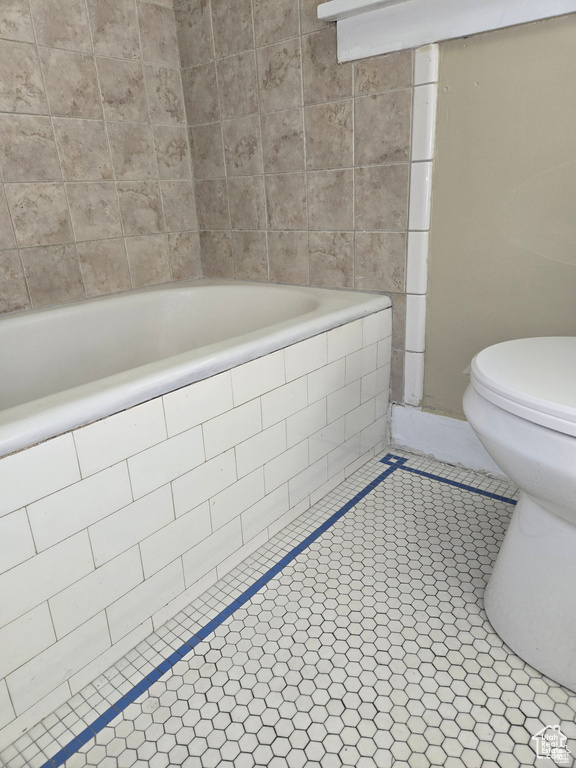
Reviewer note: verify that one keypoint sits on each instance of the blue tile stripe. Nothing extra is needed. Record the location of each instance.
(393, 463)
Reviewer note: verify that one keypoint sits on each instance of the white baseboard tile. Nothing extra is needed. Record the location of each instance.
(446, 439)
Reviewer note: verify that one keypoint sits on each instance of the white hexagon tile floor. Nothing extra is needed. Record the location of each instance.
(365, 646)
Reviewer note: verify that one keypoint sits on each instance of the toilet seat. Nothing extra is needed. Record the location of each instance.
(531, 378)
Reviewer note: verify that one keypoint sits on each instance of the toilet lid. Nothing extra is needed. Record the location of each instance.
(532, 378)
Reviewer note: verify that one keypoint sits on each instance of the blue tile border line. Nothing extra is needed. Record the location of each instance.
(392, 462)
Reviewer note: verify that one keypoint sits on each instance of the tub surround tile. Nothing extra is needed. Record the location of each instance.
(132, 146)
(379, 262)
(104, 267)
(332, 259)
(247, 202)
(275, 21)
(382, 197)
(13, 289)
(141, 207)
(213, 551)
(25, 638)
(207, 149)
(158, 35)
(61, 24)
(148, 259)
(329, 135)
(53, 274)
(331, 200)
(71, 83)
(28, 150)
(243, 146)
(179, 205)
(397, 376)
(201, 94)
(382, 127)
(286, 201)
(250, 255)
(16, 23)
(171, 542)
(216, 250)
(184, 255)
(190, 406)
(232, 25)
(194, 27)
(7, 238)
(288, 257)
(322, 80)
(39, 213)
(94, 210)
(83, 149)
(283, 141)
(123, 91)
(398, 321)
(199, 485)
(114, 26)
(212, 204)
(21, 82)
(165, 95)
(225, 431)
(257, 377)
(171, 151)
(280, 76)
(383, 73)
(309, 21)
(238, 85)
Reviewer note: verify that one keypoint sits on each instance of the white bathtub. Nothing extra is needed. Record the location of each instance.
(70, 365)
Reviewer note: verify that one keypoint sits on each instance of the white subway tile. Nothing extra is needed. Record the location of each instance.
(343, 401)
(263, 447)
(377, 327)
(415, 323)
(413, 378)
(25, 638)
(424, 122)
(288, 517)
(166, 461)
(344, 455)
(66, 512)
(231, 428)
(417, 262)
(358, 463)
(83, 600)
(114, 439)
(306, 356)
(6, 711)
(184, 599)
(344, 340)
(34, 581)
(130, 525)
(426, 64)
(212, 551)
(328, 486)
(265, 512)
(200, 484)
(360, 363)
(283, 402)
(234, 560)
(306, 482)
(36, 472)
(384, 353)
(303, 424)
(174, 539)
(32, 716)
(289, 464)
(257, 377)
(144, 600)
(324, 381)
(359, 418)
(420, 195)
(198, 402)
(16, 543)
(53, 666)
(375, 383)
(373, 435)
(239, 497)
(326, 439)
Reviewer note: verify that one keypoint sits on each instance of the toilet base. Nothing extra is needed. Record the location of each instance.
(530, 599)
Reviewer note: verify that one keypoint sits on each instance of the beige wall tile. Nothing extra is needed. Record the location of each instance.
(330, 135)
(288, 257)
(250, 255)
(194, 28)
(148, 259)
(383, 73)
(207, 151)
(104, 267)
(83, 149)
(27, 149)
(382, 197)
(280, 76)
(212, 204)
(179, 205)
(123, 91)
(184, 254)
(397, 376)
(114, 25)
(132, 147)
(380, 261)
(275, 21)
(53, 274)
(243, 146)
(13, 289)
(238, 85)
(382, 127)
(283, 141)
(201, 94)
(62, 24)
(165, 96)
(216, 250)
(247, 202)
(39, 213)
(158, 35)
(172, 151)
(324, 79)
(309, 21)
(286, 201)
(141, 207)
(398, 321)
(332, 259)
(232, 25)
(94, 210)
(21, 84)
(7, 239)
(71, 83)
(331, 199)
(15, 21)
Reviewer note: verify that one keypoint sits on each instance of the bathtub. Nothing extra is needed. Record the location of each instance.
(152, 441)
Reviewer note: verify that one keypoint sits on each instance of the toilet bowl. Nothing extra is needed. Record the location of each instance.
(521, 403)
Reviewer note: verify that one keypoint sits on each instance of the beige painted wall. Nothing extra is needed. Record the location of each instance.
(503, 239)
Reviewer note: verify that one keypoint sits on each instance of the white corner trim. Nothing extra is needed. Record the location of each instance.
(372, 27)
(446, 439)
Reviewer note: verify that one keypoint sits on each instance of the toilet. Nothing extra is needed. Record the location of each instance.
(521, 403)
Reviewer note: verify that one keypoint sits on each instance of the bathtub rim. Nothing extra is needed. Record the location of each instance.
(26, 425)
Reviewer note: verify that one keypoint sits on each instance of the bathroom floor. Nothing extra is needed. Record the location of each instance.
(356, 637)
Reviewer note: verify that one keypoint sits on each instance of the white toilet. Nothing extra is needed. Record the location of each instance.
(521, 403)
